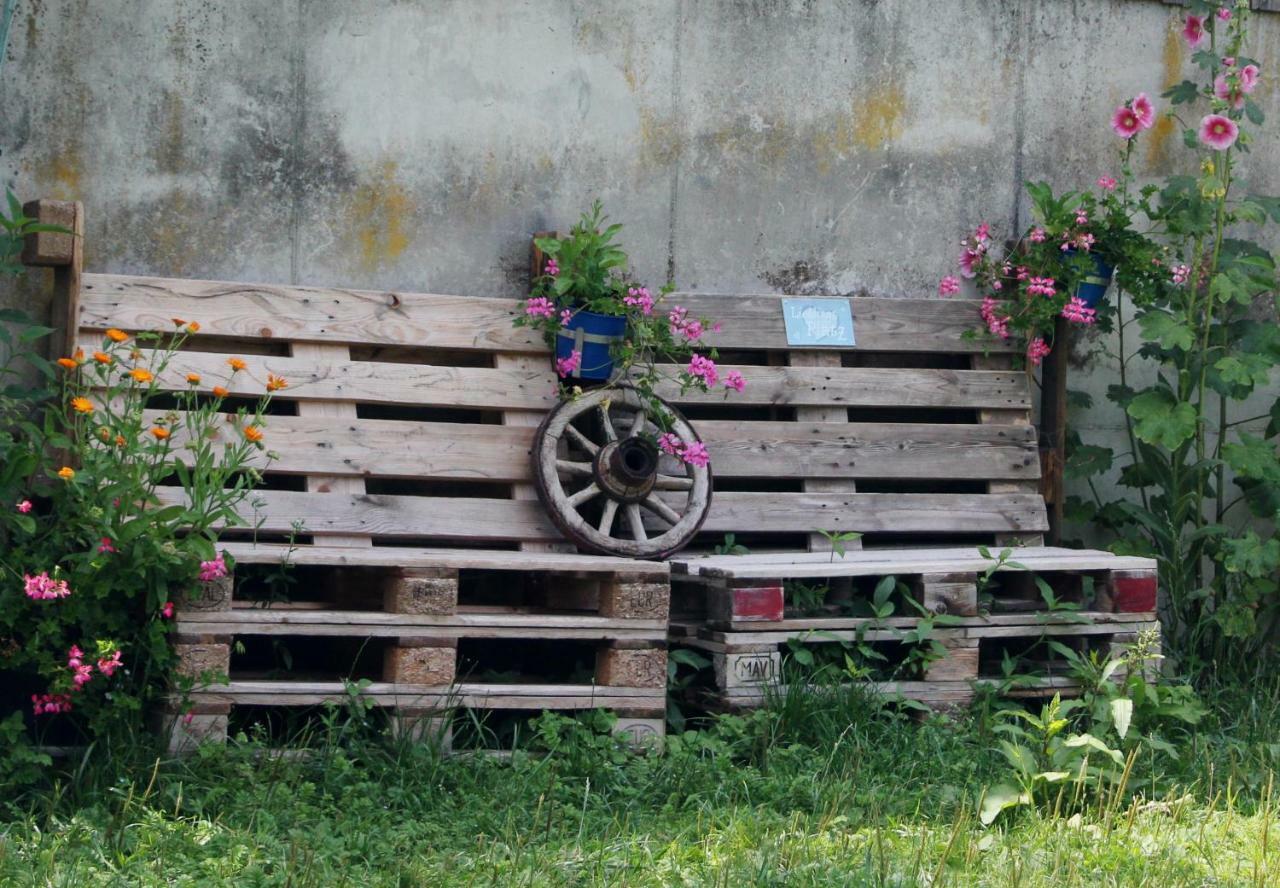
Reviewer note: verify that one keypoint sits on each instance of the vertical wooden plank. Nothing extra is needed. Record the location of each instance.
(65, 254)
(337, 410)
(1053, 426)
(807, 358)
(1007, 417)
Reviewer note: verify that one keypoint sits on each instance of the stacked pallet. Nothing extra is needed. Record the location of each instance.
(939, 647)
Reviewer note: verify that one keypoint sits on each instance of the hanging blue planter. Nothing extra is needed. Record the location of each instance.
(591, 335)
(1094, 286)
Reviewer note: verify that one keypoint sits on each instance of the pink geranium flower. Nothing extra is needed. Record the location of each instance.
(639, 296)
(948, 286)
(42, 587)
(1037, 350)
(1181, 273)
(703, 368)
(733, 380)
(1218, 132)
(1144, 109)
(167, 610)
(24, 507)
(108, 665)
(695, 454)
(552, 268)
(1078, 312)
(669, 443)
(1194, 31)
(213, 570)
(105, 546)
(968, 262)
(539, 306)
(50, 704)
(1125, 122)
(566, 315)
(1037, 235)
(1107, 183)
(566, 366)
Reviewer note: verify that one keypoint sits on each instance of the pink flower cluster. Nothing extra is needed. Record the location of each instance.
(552, 268)
(997, 324)
(1037, 235)
(975, 247)
(1232, 86)
(639, 296)
(1082, 241)
(42, 587)
(106, 547)
(683, 325)
(693, 453)
(24, 507)
(1041, 287)
(83, 671)
(1078, 312)
(213, 570)
(566, 315)
(705, 369)
(733, 380)
(1181, 273)
(1134, 116)
(566, 366)
(949, 286)
(1037, 351)
(50, 704)
(539, 306)
(1107, 183)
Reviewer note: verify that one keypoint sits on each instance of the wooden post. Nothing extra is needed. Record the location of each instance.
(64, 253)
(1053, 428)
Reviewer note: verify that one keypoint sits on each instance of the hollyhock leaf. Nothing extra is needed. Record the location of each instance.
(1205, 59)
(1254, 112)
(1162, 419)
(1189, 139)
(1247, 370)
(1167, 330)
(1184, 92)
(1273, 427)
(1252, 211)
(1088, 460)
(1253, 457)
(1120, 394)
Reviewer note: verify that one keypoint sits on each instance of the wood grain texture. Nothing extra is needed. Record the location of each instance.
(442, 558)
(477, 696)
(369, 624)
(467, 518)
(323, 314)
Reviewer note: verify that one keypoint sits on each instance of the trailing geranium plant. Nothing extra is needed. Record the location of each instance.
(92, 556)
(663, 345)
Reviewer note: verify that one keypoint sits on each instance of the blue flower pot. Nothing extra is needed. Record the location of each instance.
(1094, 286)
(591, 334)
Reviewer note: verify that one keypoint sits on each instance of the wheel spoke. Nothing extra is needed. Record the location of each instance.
(658, 507)
(571, 467)
(606, 424)
(581, 440)
(672, 482)
(636, 520)
(606, 520)
(590, 492)
(637, 423)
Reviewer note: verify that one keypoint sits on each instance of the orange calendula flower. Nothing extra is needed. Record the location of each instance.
(120, 440)
(253, 433)
(193, 327)
(220, 392)
(237, 364)
(159, 433)
(81, 405)
(66, 473)
(275, 383)
(105, 434)
(141, 375)
(117, 335)
(193, 378)
(177, 322)
(68, 363)
(102, 357)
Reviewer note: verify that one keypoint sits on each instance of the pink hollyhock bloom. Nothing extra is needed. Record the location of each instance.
(1144, 109)
(733, 380)
(1037, 350)
(539, 306)
(105, 545)
(1228, 61)
(1077, 312)
(1249, 77)
(1107, 183)
(24, 507)
(108, 665)
(552, 268)
(167, 610)
(1223, 89)
(213, 570)
(1194, 31)
(1125, 123)
(669, 443)
(695, 454)
(1037, 235)
(968, 260)
(565, 317)
(1224, 14)
(566, 366)
(1218, 132)
(703, 368)
(948, 286)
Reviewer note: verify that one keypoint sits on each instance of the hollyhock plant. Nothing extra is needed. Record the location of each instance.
(1193, 31)
(1218, 132)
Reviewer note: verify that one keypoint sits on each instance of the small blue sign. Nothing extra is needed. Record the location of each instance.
(818, 322)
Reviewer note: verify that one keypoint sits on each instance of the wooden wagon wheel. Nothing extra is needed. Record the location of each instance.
(607, 486)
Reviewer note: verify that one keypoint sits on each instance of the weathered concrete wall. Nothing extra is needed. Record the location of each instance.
(817, 146)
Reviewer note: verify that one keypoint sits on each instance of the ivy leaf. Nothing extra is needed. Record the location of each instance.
(1166, 329)
(1184, 92)
(1162, 419)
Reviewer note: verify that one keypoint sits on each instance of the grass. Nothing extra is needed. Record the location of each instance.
(821, 790)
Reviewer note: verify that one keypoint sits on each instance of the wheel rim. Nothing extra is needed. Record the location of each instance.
(606, 486)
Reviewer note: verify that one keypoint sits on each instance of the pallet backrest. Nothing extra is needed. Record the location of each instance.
(408, 417)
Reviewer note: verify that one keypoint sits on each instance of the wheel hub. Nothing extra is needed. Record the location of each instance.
(627, 469)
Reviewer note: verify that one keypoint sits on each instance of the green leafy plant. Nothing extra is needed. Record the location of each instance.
(679, 680)
(730, 546)
(805, 599)
(837, 539)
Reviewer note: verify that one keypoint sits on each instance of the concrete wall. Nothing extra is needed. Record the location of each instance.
(813, 146)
